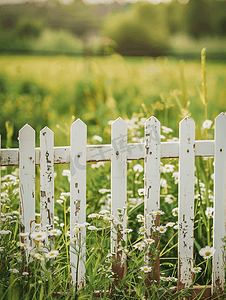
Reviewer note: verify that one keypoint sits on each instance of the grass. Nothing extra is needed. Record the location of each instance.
(50, 90)
(98, 90)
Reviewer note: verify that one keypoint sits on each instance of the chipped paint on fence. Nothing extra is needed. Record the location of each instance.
(46, 177)
(78, 201)
(152, 170)
(27, 179)
(186, 202)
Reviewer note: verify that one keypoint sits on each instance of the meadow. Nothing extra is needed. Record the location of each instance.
(54, 91)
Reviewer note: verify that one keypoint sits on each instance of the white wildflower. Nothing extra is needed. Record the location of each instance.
(140, 192)
(103, 191)
(39, 236)
(55, 232)
(161, 229)
(175, 212)
(166, 129)
(207, 124)
(146, 269)
(127, 230)
(139, 245)
(92, 228)
(209, 212)
(13, 271)
(149, 241)
(97, 138)
(39, 256)
(52, 254)
(206, 252)
(138, 168)
(142, 230)
(196, 270)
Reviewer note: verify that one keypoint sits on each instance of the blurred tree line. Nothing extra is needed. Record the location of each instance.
(139, 28)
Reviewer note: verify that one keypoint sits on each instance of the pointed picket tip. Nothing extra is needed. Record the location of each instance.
(26, 128)
(78, 122)
(45, 130)
(186, 119)
(119, 120)
(26, 132)
(152, 119)
(220, 118)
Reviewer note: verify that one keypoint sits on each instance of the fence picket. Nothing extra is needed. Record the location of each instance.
(119, 189)
(78, 200)
(27, 178)
(152, 170)
(47, 177)
(219, 224)
(186, 202)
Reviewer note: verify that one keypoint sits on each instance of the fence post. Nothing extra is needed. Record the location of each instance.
(186, 202)
(152, 184)
(27, 178)
(47, 177)
(119, 193)
(219, 223)
(78, 201)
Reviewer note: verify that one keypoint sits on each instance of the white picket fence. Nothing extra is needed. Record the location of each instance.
(119, 151)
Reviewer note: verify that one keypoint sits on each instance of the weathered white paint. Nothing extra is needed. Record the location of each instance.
(152, 170)
(47, 177)
(95, 153)
(118, 176)
(27, 177)
(187, 148)
(219, 226)
(78, 200)
(186, 201)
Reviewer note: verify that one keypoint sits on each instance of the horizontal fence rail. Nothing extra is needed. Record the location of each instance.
(119, 152)
(98, 153)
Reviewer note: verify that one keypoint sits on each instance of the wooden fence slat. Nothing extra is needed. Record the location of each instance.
(119, 189)
(186, 202)
(27, 178)
(219, 224)
(78, 199)
(152, 170)
(47, 177)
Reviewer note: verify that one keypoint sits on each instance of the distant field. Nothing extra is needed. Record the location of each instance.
(49, 90)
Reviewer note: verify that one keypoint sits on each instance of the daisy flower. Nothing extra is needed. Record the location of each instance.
(92, 228)
(207, 124)
(55, 232)
(149, 241)
(127, 230)
(196, 270)
(39, 236)
(138, 168)
(161, 229)
(139, 245)
(142, 230)
(146, 269)
(175, 212)
(52, 254)
(39, 256)
(206, 252)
